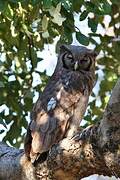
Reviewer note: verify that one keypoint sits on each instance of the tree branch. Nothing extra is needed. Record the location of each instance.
(96, 150)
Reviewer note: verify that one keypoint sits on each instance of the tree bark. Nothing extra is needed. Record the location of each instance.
(95, 150)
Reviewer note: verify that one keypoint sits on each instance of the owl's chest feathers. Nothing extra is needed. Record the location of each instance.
(63, 90)
(63, 105)
(67, 94)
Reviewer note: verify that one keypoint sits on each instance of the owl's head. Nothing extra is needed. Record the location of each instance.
(77, 58)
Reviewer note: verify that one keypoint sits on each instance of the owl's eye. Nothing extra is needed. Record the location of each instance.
(68, 61)
(85, 63)
(69, 58)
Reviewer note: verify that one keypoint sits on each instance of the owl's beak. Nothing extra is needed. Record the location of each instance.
(76, 65)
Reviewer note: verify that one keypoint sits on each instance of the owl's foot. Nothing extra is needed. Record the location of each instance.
(85, 133)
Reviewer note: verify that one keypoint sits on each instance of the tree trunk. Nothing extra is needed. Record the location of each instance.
(95, 150)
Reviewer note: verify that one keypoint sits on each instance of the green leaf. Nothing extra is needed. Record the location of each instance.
(47, 4)
(33, 58)
(106, 7)
(115, 1)
(77, 4)
(9, 12)
(14, 132)
(44, 23)
(82, 38)
(92, 23)
(3, 5)
(29, 94)
(25, 29)
(66, 5)
(28, 104)
(90, 6)
(2, 84)
(83, 15)
(34, 2)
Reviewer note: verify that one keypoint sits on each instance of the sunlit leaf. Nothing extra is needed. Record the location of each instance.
(9, 12)
(55, 13)
(45, 34)
(44, 23)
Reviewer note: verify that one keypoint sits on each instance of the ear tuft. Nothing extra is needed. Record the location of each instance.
(64, 48)
(94, 54)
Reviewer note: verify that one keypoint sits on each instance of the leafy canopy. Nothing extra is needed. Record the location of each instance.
(26, 26)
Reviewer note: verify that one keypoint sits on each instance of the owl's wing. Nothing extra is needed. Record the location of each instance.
(47, 129)
(39, 136)
(42, 131)
(42, 134)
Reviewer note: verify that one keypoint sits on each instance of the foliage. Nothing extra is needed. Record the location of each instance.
(26, 26)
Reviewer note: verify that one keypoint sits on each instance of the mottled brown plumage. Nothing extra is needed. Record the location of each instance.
(60, 108)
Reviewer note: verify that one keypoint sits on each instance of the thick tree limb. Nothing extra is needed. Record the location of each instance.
(95, 151)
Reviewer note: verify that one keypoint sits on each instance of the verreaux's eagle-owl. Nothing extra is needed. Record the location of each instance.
(60, 108)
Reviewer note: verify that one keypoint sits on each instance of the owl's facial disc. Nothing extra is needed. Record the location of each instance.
(84, 64)
(68, 61)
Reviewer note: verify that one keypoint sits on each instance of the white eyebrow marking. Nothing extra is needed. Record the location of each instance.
(69, 56)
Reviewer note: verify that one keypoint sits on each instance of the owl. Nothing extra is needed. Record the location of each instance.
(60, 108)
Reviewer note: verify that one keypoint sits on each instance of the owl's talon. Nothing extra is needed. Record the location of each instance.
(84, 133)
(75, 137)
